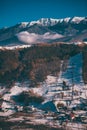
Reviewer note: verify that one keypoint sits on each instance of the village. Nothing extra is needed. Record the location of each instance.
(64, 106)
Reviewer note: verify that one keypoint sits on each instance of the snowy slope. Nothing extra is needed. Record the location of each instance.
(45, 22)
(52, 85)
(77, 19)
(8, 105)
(73, 74)
(75, 68)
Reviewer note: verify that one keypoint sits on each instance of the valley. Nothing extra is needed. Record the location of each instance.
(50, 95)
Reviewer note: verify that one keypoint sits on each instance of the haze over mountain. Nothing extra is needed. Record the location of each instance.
(45, 30)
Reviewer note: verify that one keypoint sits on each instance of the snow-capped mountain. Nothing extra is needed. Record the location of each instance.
(45, 22)
(51, 21)
(77, 19)
(45, 30)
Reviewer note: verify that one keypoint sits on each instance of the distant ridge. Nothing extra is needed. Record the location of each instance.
(45, 30)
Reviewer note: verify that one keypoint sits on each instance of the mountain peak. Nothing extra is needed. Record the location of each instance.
(48, 21)
(45, 22)
(23, 24)
(52, 21)
(77, 19)
(67, 19)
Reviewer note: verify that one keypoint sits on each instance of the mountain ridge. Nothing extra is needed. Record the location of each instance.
(55, 20)
(70, 29)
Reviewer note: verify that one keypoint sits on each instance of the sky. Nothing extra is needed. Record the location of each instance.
(16, 11)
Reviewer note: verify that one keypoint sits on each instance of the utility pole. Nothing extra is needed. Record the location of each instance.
(72, 74)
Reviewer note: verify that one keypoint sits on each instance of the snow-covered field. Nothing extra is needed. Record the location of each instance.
(8, 105)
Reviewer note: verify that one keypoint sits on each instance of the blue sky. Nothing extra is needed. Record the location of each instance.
(16, 11)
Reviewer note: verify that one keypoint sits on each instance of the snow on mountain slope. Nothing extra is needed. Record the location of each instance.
(73, 74)
(52, 88)
(24, 24)
(37, 38)
(51, 21)
(48, 21)
(67, 19)
(75, 69)
(42, 22)
(52, 84)
(45, 22)
(77, 19)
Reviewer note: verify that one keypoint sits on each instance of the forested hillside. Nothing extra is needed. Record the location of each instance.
(85, 64)
(34, 63)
